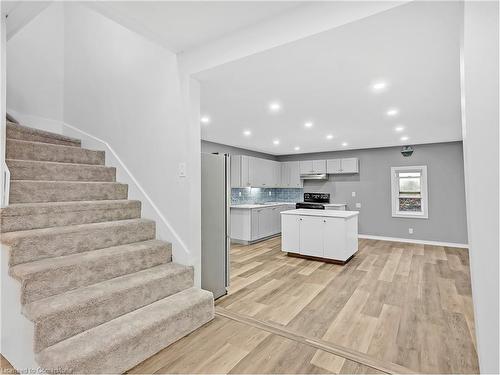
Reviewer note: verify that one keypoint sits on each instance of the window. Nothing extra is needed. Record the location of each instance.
(409, 192)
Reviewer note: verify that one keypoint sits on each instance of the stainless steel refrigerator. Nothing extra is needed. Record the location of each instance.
(215, 222)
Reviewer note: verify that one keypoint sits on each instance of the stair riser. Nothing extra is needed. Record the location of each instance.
(51, 219)
(48, 191)
(16, 132)
(62, 279)
(31, 248)
(47, 152)
(129, 351)
(29, 170)
(69, 323)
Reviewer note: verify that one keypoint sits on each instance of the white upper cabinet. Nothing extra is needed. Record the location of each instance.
(350, 165)
(239, 171)
(312, 166)
(247, 171)
(334, 166)
(339, 166)
(290, 175)
(319, 166)
(306, 166)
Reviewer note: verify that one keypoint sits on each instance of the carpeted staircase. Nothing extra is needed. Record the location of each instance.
(101, 291)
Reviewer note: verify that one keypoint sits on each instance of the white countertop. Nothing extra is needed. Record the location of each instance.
(269, 204)
(321, 213)
(334, 204)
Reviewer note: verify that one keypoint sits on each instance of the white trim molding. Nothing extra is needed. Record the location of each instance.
(424, 195)
(5, 185)
(411, 240)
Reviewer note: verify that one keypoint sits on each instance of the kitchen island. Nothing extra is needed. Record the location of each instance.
(327, 235)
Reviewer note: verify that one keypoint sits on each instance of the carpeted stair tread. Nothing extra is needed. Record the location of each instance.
(101, 292)
(31, 245)
(32, 191)
(55, 171)
(26, 216)
(120, 344)
(16, 131)
(28, 150)
(50, 276)
(64, 315)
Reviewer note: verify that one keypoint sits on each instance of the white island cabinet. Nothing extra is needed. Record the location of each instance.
(321, 234)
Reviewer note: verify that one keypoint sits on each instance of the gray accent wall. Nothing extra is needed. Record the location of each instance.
(445, 173)
(211, 147)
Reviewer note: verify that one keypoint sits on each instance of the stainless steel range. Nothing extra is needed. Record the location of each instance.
(314, 201)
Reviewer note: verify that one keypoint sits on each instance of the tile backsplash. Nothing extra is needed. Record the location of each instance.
(263, 195)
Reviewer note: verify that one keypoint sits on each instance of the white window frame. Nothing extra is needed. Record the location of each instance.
(424, 214)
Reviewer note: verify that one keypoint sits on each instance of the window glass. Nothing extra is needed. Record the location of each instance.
(409, 183)
(410, 204)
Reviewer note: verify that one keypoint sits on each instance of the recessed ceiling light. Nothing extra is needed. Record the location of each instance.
(329, 136)
(276, 142)
(345, 144)
(274, 106)
(379, 86)
(296, 148)
(308, 124)
(404, 138)
(392, 112)
(399, 128)
(205, 119)
(247, 133)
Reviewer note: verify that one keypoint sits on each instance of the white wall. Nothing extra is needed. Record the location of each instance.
(480, 138)
(126, 90)
(35, 69)
(115, 85)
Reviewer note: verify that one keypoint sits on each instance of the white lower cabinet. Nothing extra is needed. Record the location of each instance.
(255, 223)
(290, 233)
(310, 243)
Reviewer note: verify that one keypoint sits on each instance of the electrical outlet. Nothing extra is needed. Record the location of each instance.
(358, 205)
(239, 193)
(410, 230)
(353, 193)
(270, 194)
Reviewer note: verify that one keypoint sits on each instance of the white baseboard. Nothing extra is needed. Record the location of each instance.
(411, 240)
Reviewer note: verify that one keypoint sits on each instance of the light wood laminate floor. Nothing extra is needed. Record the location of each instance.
(392, 305)
(401, 303)
(227, 346)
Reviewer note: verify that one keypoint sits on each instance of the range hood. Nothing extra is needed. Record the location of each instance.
(314, 176)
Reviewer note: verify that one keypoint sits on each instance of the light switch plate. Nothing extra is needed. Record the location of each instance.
(182, 169)
(358, 205)
(353, 193)
(410, 230)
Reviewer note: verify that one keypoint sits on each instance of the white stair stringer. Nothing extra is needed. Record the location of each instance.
(17, 332)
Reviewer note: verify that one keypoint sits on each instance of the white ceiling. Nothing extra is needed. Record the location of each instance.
(182, 25)
(327, 79)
